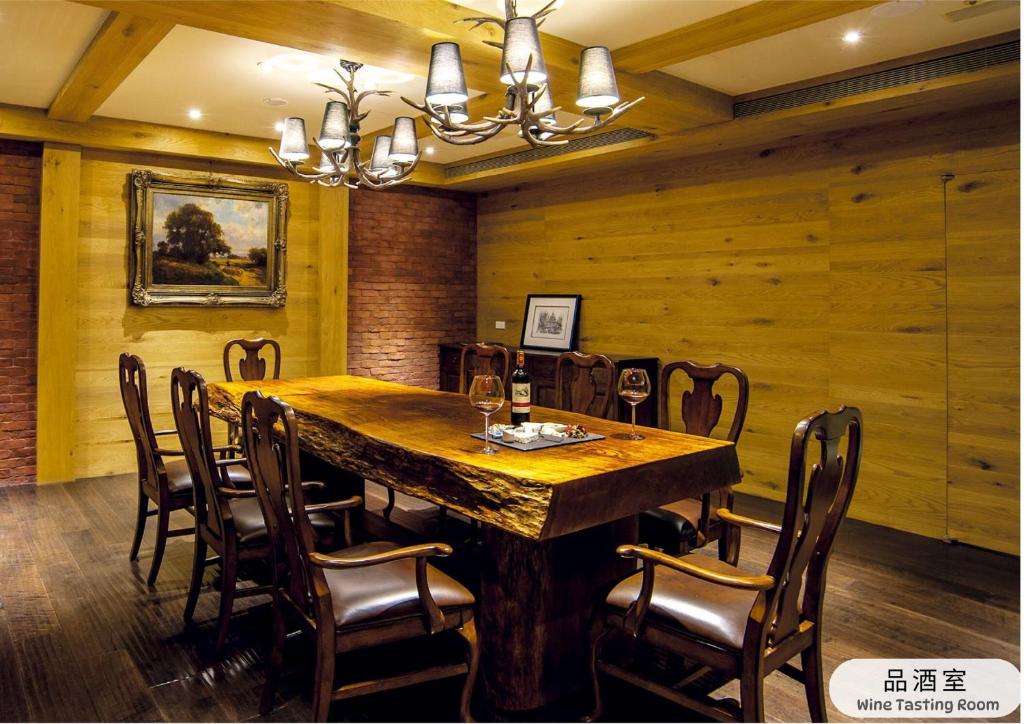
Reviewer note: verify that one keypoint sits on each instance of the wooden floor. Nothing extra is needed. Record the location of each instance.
(83, 638)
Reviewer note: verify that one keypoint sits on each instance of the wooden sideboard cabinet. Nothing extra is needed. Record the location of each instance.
(541, 366)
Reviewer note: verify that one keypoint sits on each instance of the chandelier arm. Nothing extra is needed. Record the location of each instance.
(294, 168)
(483, 20)
(444, 119)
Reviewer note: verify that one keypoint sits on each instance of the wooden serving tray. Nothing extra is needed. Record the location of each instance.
(540, 443)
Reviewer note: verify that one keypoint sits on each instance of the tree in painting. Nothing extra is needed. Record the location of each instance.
(192, 235)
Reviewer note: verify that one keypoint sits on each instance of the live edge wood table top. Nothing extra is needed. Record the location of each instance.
(418, 441)
(552, 517)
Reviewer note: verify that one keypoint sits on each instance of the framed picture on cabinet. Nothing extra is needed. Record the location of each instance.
(206, 241)
(551, 322)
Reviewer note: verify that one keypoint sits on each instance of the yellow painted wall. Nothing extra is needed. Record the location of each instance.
(166, 337)
(820, 268)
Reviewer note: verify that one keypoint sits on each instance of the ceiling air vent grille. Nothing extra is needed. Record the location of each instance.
(620, 135)
(971, 60)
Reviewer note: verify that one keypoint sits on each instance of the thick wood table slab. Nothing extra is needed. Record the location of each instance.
(552, 517)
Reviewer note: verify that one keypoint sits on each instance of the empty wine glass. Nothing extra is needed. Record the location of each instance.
(634, 387)
(487, 395)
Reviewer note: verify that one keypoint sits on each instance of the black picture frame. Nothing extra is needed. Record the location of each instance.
(551, 322)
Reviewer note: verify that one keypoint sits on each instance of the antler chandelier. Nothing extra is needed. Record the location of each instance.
(392, 160)
(528, 103)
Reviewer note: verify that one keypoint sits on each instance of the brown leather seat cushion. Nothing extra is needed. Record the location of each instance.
(707, 610)
(179, 479)
(387, 590)
(251, 528)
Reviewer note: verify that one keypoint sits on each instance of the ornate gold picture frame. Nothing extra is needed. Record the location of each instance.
(206, 241)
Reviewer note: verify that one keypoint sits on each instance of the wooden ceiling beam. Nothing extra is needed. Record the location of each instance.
(951, 93)
(121, 43)
(112, 134)
(736, 27)
(398, 34)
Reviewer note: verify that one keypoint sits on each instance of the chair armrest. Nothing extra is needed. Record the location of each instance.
(424, 550)
(235, 492)
(165, 432)
(348, 503)
(316, 485)
(434, 617)
(749, 583)
(732, 518)
(164, 451)
(230, 461)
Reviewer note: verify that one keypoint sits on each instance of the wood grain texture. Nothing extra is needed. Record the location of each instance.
(727, 30)
(333, 279)
(58, 314)
(121, 43)
(817, 266)
(418, 442)
(168, 337)
(983, 248)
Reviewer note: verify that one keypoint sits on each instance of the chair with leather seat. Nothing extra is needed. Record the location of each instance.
(729, 623)
(679, 527)
(166, 483)
(585, 383)
(484, 359)
(228, 516)
(356, 597)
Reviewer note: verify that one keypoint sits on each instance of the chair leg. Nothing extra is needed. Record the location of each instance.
(752, 694)
(323, 684)
(228, 581)
(386, 512)
(468, 633)
(276, 658)
(814, 681)
(140, 525)
(198, 568)
(597, 634)
(163, 521)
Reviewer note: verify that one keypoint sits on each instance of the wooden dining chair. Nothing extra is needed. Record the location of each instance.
(585, 383)
(484, 359)
(168, 484)
(252, 366)
(356, 597)
(228, 516)
(679, 527)
(732, 624)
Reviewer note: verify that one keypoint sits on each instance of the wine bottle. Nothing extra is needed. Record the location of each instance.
(520, 391)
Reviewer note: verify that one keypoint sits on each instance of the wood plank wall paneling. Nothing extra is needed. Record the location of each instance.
(333, 289)
(819, 267)
(167, 337)
(58, 313)
(983, 255)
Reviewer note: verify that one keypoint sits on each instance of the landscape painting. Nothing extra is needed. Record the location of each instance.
(206, 241)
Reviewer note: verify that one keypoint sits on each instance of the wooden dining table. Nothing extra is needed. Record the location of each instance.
(551, 518)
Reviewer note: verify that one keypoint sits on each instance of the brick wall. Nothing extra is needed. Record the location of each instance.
(412, 280)
(20, 173)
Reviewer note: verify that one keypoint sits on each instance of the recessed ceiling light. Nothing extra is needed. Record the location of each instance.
(852, 37)
(275, 102)
(195, 114)
(264, 67)
(429, 150)
(279, 126)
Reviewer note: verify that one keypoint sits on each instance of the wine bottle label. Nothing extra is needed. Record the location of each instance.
(520, 396)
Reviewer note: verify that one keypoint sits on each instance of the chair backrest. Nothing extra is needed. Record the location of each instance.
(135, 396)
(484, 359)
(701, 407)
(191, 408)
(816, 505)
(272, 444)
(584, 383)
(252, 366)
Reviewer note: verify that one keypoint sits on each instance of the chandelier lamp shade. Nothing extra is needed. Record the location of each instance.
(528, 99)
(392, 160)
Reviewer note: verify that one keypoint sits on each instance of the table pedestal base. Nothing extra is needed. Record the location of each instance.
(536, 601)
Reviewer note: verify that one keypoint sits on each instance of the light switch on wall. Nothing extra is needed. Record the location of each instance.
(499, 324)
